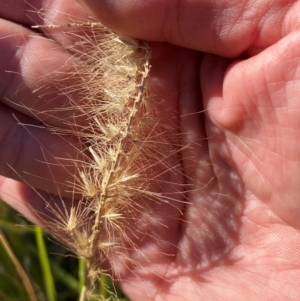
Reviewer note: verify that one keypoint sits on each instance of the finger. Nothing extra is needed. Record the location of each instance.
(12, 192)
(257, 107)
(54, 19)
(32, 154)
(20, 11)
(227, 28)
(32, 82)
(41, 12)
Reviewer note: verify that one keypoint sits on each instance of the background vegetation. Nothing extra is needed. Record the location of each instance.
(33, 267)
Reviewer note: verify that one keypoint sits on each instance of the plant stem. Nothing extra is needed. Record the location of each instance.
(45, 265)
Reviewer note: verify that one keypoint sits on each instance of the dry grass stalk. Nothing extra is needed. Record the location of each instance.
(23, 276)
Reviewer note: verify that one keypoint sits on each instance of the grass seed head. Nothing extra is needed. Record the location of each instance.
(125, 145)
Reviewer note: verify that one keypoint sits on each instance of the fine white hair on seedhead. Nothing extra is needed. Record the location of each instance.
(126, 148)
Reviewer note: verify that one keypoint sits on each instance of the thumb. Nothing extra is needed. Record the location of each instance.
(226, 28)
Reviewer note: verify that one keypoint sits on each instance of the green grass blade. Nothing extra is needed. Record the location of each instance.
(81, 273)
(45, 265)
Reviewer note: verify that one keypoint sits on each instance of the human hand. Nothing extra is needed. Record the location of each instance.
(240, 236)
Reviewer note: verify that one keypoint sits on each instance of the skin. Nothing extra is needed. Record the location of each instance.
(238, 63)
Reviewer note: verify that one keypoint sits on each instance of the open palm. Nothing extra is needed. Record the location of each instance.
(238, 64)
